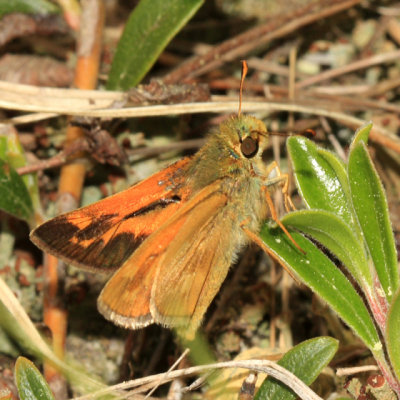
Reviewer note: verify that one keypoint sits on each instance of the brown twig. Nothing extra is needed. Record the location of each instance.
(385, 141)
(247, 41)
(72, 176)
(263, 366)
(53, 162)
(377, 59)
(59, 159)
(81, 145)
(356, 370)
(15, 25)
(353, 103)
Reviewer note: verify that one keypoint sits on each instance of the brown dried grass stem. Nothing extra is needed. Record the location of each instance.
(72, 175)
(264, 366)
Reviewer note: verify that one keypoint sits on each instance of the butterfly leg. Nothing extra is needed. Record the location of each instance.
(283, 180)
(274, 216)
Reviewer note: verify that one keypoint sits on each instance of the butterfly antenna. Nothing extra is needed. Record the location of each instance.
(244, 73)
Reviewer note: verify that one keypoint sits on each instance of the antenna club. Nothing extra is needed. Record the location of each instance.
(244, 73)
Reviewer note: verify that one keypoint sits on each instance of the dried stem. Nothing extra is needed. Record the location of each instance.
(356, 370)
(81, 145)
(72, 175)
(264, 366)
(391, 56)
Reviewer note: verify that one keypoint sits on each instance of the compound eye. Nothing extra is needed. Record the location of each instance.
(249, 147)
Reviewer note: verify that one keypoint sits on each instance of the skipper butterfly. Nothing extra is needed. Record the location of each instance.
(170, 239)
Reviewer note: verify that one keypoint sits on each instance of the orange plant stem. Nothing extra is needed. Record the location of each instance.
(73, 174)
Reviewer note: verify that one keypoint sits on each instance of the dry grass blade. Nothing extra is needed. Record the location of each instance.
(33, 98)
(32, 335)
(264, 366)
(107, 105)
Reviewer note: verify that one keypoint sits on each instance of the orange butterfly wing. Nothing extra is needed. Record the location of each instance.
(196, 262)
(126, 298)
(103, 235)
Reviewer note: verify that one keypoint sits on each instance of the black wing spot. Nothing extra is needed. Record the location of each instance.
(112, 254)
(152, 206)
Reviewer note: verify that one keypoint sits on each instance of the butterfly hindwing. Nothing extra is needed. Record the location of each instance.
(103, 235)
(126, 298)
(196, 262)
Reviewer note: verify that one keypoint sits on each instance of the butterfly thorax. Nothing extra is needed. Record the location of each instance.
(239, 169)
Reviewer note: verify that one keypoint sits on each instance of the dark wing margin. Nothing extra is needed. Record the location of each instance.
(87, 248)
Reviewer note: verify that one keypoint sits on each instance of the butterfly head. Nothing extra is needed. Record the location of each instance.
(246, 137)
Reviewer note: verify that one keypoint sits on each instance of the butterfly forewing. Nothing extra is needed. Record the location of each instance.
(104, 234)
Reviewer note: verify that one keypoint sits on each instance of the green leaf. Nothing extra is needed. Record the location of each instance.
(306, 361)
(30, 383)
(37, 7)
(321, 178)
(319, 273)
(151, 26)
(361, 135)
(393, 334)
(337, 237)
(14, 198)
(12, 152)
(370, 205)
